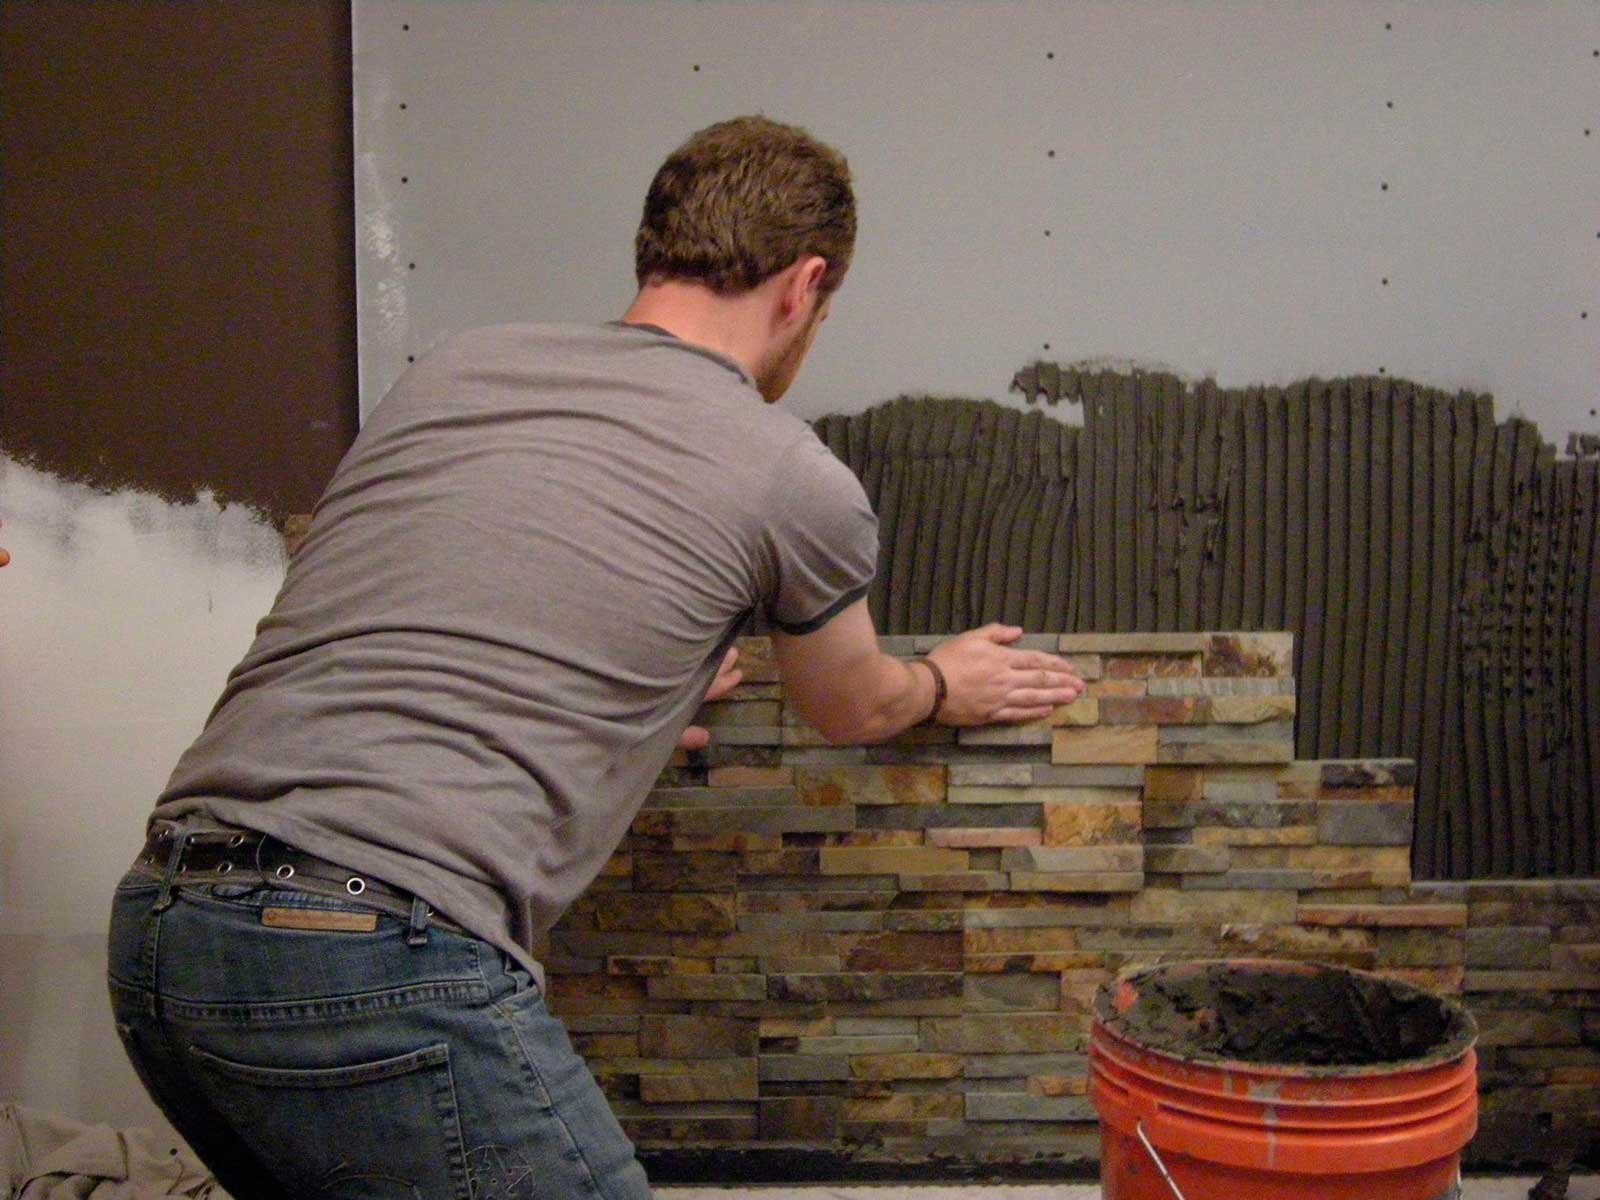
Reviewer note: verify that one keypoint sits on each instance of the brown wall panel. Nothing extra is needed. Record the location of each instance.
(177, 272)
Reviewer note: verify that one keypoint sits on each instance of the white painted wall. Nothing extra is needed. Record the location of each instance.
(1215, 202)
(120, 616)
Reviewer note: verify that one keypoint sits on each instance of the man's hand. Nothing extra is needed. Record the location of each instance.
(841, 682)
(988, 681)
(698, 737)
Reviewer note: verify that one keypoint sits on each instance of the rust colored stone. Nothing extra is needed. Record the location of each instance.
(656, 964)
(1243, 655)
(906, 1066)
(1132, 744)
(871, 785)
(1369, 915)
(1092, 824)
(1005, 941)
(800, 1118)
(979, 839)
(698, 1036)
(892, 860)
(732, 843)
(1058, 1085)
(1147, 666)
(904, 1106)
(685, 872)
(750, 776)
(906, 952)
(1151, 710)
(1173, 783)
(667, 913)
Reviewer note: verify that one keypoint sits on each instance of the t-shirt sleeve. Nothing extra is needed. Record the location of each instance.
(821, 539)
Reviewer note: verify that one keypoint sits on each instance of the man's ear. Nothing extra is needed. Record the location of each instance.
(804, 288)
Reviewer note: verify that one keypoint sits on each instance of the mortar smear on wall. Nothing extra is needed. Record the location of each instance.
(1441, 570)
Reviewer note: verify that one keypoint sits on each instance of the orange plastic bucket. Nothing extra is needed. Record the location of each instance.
(1244, 1080)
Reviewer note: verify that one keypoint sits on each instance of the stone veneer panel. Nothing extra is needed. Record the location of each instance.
(883, 958)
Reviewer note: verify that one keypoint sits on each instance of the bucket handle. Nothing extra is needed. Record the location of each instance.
(1160, 1166)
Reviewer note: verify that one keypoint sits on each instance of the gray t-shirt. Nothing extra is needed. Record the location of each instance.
(512, 598)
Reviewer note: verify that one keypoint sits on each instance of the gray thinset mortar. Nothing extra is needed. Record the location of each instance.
(1439, 570)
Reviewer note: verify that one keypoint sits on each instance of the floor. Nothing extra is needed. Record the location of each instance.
(1500, 1188)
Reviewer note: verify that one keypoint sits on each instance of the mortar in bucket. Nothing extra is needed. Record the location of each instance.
(1248, 1079)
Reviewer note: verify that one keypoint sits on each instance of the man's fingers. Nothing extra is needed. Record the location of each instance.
(695, 737)
(1045, 677)
(1000, 635)
(1048, 698)
(723, 684)
(727, 678)
(1038, 660)
(1023, 714)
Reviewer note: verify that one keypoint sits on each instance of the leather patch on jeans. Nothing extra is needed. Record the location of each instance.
(323, 920)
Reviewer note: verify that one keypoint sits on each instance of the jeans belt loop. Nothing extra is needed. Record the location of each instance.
(417, 935)
(169, 872)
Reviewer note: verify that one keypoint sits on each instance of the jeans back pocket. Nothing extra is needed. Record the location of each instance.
(385, 1129)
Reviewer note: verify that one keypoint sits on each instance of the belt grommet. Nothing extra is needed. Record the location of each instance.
(284, 871)
(355, 885)
(224, 867)
(236, 840)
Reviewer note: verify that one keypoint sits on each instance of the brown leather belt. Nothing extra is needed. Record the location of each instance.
(244, 856)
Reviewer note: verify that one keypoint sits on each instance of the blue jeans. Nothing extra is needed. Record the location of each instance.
(350, 1063)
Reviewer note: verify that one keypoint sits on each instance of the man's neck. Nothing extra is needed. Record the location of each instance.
(732, 325)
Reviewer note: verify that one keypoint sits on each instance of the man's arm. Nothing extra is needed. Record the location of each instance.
(852, 692)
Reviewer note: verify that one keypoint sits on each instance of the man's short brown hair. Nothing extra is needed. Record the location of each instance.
(740, 201)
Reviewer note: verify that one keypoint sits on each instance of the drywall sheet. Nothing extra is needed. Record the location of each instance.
(122, 613)
(1440, 570)
(1257, 192)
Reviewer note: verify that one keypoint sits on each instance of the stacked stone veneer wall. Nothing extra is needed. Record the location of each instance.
(835, 961)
